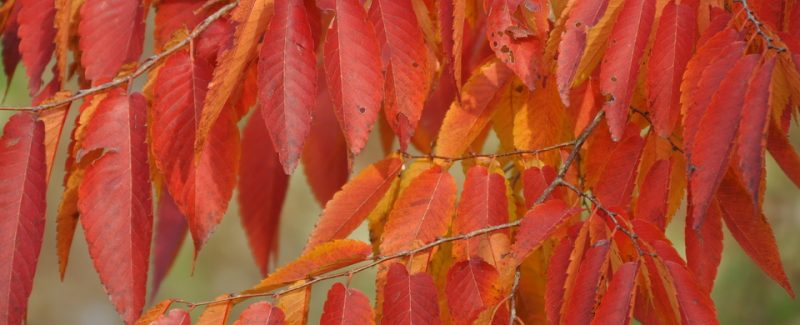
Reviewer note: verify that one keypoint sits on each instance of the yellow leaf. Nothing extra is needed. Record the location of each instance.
(596, 42)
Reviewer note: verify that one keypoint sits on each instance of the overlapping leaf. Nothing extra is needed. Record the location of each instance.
(346, 306)
(36, 32)
(471, 289)
(112, 35)
(261, 313)
(409, 299)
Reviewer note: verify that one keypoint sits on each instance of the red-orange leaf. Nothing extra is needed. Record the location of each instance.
(654, 194)
(353, 71)
(484, 203)
(325, 156)
(409, 299)
(581, 300)
(750, 228)
(538, 224)
(466, 120)
(513, 43)
(174, 317)
(618, 176)
(620, 65)
(421, 213)
(287, 80)
(350, 206)
(321, 259)
(556, 278)
(11, 55)
(616, 306)
(672, 49)
(262, 191)
(583, 15)
(172, 15)
(346, 306)
(112, 34)
(695, 304)
(22, 209)
(471, 289)
(261, 313)
(216, 313)
(155, 312)
(202, 187)
(119, 246)
(753, 127)
(170, 230)
(783, 152)
(709, 154)
(704, 246)
(407, 79)
(36, 32)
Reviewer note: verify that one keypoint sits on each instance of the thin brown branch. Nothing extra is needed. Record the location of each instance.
(759, 27)
(492, 155)
(145, 66)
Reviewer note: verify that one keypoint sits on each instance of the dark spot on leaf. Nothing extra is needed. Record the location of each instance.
(505, 49)
(415, 64)
(494, 44)
(362, 109)
(614, 78)
(519, 88)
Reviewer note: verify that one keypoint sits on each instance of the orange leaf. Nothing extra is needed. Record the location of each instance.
(350, 206)
(174, 317)
(287, 80)
(119, 246)
(323, 258)
(513, 43)
(583, 15)
(22, 212)
(620, 66)
(346, 306)
(353, 72)
(465, 121)
(154, 312)
(421, 213)
(216, 313)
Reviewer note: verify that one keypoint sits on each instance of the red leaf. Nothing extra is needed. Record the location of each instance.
(172, 15)
(484, 203)
(22, 212)
(783, 152)
(618, 177)
(556, 278)
(170, 231)
(583, 15)
(261, 192)
(471, 289)
(580, 302)
(346, 306)
(535, 180)
(616, 306)
(11, 55)
(353, 72)
(704, 246)
(261, 313)
(620, 65)
(111, 35)
(36, 32)
(287, 80)
(672, 49)
(350, 206)
(513, 43)
(407, 79)
(409, 299)
(119, 246)
(421, 213)
(538, 224)
(704, 73)
(654, 194)
(174, 317)
(753, 127)
(202, 187)
(325, 156)
(709, 154)
(750, 229)
(695, 304)
(155, 312)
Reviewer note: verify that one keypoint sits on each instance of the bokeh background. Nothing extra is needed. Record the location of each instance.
(742, 293)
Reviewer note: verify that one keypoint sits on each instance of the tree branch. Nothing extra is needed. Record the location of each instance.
(758, 25)
(145, 66)
(491, 156)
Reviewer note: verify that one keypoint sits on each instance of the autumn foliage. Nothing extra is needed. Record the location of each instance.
(608, 116)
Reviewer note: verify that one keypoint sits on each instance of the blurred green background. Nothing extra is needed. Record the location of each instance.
(743, 294)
